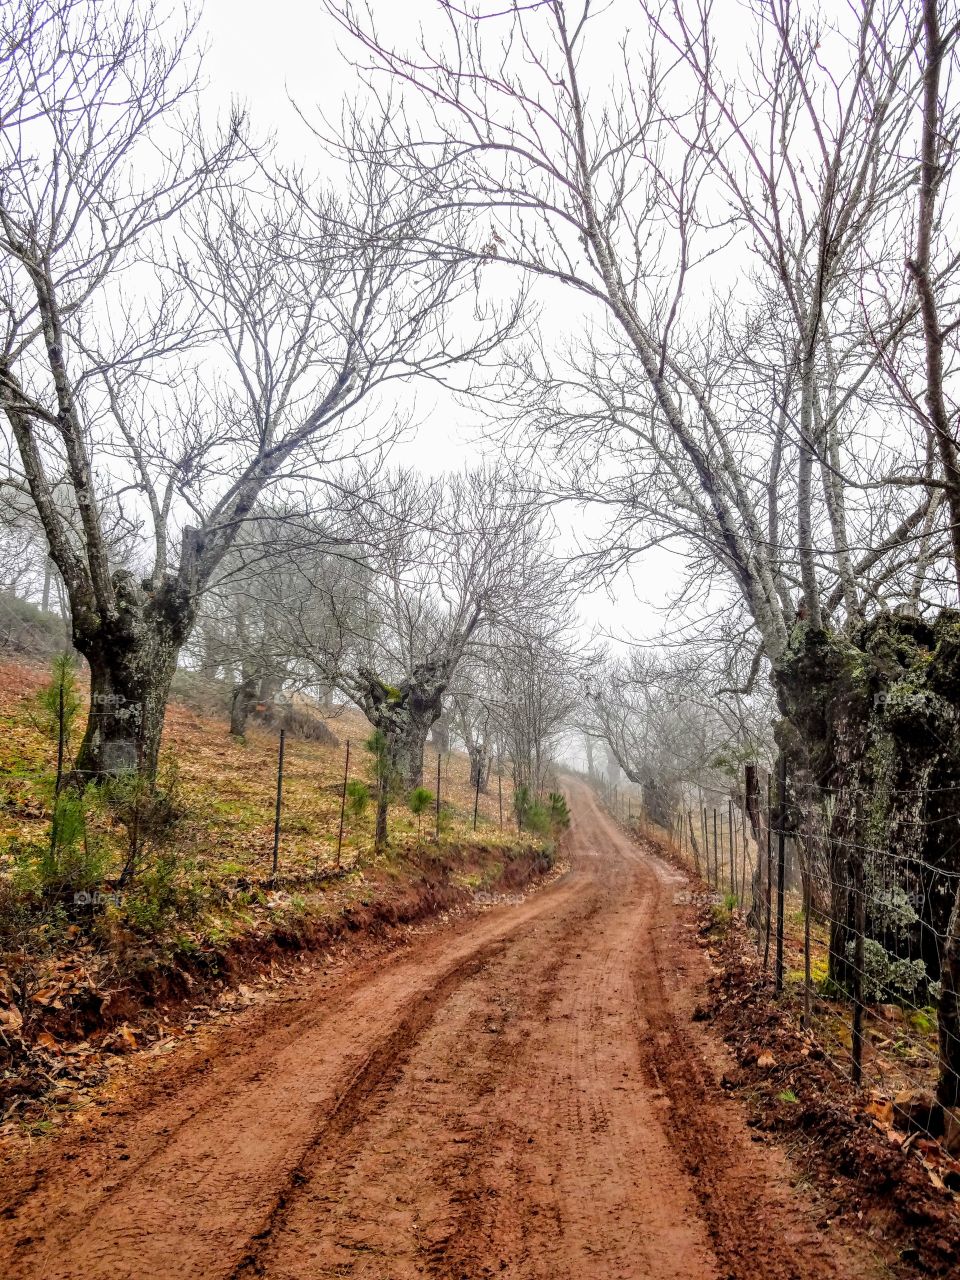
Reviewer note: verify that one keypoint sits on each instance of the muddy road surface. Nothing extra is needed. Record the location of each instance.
(521, 1094)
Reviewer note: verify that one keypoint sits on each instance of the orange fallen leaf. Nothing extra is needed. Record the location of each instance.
(881, 1112)
(11, 1018)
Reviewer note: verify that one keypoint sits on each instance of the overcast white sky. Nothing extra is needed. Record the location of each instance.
(264, 55)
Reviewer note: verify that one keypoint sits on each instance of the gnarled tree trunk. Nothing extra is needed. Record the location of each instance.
(873, 720)
(404, 716)
(132, 657)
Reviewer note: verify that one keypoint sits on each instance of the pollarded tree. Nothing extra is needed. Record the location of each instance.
(176, 340)
(445, 562)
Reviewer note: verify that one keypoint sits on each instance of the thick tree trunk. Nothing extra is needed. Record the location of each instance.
(404, 717)
(479, 766)
(128, 699)
(872, 720)
(132, 658)
(401, 765)
(407, 744)
(243, 700)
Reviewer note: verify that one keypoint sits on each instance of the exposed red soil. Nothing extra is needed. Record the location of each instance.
(106, 1005)
(524, 1093)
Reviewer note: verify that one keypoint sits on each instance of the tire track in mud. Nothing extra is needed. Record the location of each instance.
(712, 1144)
(336, 1178)
(187, 1204)
(346, 1118)
(520, 1094)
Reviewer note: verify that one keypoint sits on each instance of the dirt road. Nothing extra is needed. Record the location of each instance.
(520, 1095)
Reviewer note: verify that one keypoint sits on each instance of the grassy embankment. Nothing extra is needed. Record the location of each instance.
(202, 910)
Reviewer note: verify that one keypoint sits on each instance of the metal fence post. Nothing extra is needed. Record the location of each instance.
(439, 759)
(276, 817)
(733, 849)
(807, 897)
(781, 865)
(61, 737)
(859, 926)
(343, 802)
(706, 841)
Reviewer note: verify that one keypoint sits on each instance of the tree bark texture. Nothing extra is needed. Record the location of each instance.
(132, 656)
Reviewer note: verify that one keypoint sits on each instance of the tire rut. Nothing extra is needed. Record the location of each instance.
(346, 1118)
(519, 1094)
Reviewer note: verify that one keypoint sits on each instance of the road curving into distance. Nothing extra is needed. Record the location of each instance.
(521, 1094)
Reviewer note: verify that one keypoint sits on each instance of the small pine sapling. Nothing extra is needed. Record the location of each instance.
(420, 801)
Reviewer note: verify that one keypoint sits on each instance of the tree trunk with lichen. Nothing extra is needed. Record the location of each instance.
(403, 715)
(871, 719)
(132, 657)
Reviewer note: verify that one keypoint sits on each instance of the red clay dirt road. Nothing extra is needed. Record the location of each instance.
(523, 1094)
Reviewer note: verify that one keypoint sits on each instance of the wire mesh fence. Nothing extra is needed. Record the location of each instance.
(274, 804)
(855, 926)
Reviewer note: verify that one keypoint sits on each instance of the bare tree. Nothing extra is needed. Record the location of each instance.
(445, 562)
(537, 692)
(758, 431)
(582, 187)
(471, 714)
(267, 613)
(676, 732)
(306, 303)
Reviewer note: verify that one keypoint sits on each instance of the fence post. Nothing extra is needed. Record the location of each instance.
(744, 862)
(807, 895)
(59, 779)
(692, 840)
(276, 817)
(706, 841)
(859, 926)
(439, 759)
(61, 735)
(781, 864)
(343, 803)
(716, 857)
(769, 893)
(476, 795)
(733, 849)
(500, 788)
